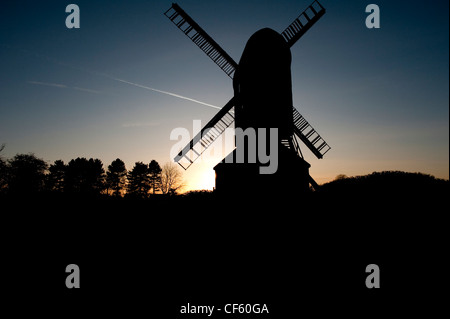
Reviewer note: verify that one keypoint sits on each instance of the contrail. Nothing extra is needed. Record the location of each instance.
(62, 86)
(165, 92)
(44, 57)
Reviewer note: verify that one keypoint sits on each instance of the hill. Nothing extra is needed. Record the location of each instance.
(390, 183)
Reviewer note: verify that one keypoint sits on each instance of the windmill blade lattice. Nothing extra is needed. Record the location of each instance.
(194, 32)
(303, 23)
(309, 135)
(208, 134)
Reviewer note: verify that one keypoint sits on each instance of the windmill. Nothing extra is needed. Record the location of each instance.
(262, 99)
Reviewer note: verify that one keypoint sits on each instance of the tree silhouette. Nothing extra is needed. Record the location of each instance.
(3, 176)
(138, 180)
(340, 176)
(26, 174)
(116, 176)
(56, 176)
(387, 184)
(171, 179)
(154, 171)
(3, 172)
(85, 176)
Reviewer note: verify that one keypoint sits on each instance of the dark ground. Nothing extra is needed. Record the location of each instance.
(149, 258)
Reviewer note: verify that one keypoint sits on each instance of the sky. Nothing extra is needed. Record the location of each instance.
(121, 83)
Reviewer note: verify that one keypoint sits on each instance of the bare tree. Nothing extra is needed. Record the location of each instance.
(171, 178)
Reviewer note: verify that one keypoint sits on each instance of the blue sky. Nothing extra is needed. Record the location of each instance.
(379, 97)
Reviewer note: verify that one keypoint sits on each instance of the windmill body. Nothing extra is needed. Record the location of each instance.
(262, 84)
(263, 96)
(262, 102)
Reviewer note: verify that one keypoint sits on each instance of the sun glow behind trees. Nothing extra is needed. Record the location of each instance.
(354, 84)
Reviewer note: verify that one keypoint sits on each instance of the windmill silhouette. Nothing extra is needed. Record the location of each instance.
(262, 100)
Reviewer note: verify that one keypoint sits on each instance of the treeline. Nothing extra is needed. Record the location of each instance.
(387, 182)
(26, 174)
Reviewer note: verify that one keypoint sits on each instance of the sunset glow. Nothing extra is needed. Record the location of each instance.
(121, 83)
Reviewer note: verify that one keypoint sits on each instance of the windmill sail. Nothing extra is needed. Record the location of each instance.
(309, 135)
(224, 118)
(208, 134)
(303, 23)
(194, 32)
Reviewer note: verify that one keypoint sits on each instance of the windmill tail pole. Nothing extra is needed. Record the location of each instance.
(314, 183)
